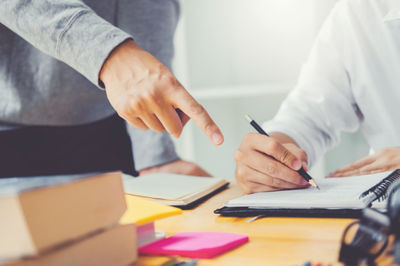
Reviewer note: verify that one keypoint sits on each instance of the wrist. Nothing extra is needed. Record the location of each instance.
(111, 66)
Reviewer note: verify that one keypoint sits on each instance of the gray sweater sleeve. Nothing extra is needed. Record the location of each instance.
(151, 148)
(65, 29)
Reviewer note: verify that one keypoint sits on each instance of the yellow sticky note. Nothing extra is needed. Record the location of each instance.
(141, 211)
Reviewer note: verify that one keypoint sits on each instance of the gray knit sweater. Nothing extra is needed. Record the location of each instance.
(51, 52)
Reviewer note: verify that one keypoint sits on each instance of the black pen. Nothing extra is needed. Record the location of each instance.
(301, 171)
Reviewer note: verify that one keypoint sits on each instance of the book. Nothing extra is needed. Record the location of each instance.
(341, 196)
(171, 189)
(114, 246)
(41, 213)
(144, 213)
(200, 245)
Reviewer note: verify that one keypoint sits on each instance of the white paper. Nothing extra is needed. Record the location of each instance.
(339, 192)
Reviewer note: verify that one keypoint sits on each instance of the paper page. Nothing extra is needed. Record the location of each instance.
(339, 192)
(167, 186)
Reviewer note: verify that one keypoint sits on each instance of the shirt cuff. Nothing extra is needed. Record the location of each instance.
(87, 42)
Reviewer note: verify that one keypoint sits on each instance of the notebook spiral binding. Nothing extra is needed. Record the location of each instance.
(381, 190)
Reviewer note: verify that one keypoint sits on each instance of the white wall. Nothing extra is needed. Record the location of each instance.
(243, 56)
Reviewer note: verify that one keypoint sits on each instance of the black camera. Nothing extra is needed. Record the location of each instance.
(364, 240)
(394, 215)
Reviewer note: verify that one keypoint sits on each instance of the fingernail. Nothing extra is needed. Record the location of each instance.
(296, 164)
(305, 165)
(331, 174)
(217, 138)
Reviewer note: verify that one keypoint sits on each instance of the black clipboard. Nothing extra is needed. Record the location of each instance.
(315, 213)
(379, 190)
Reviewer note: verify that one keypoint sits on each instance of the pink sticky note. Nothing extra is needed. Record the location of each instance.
(201, 245)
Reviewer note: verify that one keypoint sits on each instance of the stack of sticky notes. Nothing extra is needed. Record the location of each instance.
(190, 244)
(65, 220)
(144, 213)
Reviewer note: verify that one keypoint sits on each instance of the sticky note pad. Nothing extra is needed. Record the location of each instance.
(141, 211)
(201, 245)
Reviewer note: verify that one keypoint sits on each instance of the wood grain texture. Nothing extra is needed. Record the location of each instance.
(273, 241)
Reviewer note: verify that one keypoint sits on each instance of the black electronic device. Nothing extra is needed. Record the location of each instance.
(394, 215)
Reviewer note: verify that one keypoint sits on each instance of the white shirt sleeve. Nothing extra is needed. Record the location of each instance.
(321, 105)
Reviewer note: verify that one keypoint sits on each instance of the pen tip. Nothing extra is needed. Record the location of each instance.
(248, 118)
(312, 182)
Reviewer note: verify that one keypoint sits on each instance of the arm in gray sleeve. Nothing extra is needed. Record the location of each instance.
(65, 29)
(322, 105)
(151, 148)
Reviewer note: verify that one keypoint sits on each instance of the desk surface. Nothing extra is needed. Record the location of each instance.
(273, 241)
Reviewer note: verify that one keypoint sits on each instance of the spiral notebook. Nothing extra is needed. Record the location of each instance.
(338, 197)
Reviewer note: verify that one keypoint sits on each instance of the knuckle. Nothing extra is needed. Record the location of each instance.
(238, 155)
(248, 137)
(240, 173)
(237, 174)
(126, 112)
(273, 145)
(173, 89)
(391, 156)
(209, 127)
(286, 156)
(298, 180)
(133, 105)
(158, 129)
(168, 79)
(151, 94)
(271, 170)
(138, 125)
(196, 108)
(276, 182)
(384, 151)
(303, 155)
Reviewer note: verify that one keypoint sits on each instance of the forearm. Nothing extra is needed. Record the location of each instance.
(67, 29)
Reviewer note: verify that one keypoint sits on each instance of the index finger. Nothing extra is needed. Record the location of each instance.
(184, 101)
(273, 148)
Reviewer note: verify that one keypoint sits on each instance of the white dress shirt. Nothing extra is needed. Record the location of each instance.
(350, 81)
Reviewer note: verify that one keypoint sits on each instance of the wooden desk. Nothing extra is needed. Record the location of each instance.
(273, 241)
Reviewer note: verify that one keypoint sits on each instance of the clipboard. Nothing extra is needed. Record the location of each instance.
(310, 213)
(338, 198)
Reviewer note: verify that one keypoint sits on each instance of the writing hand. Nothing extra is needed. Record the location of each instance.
(257, 172)
(145, 93)
(384, 160)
